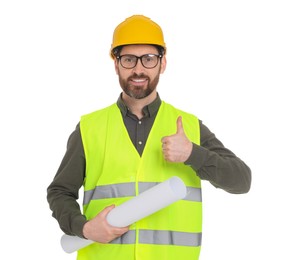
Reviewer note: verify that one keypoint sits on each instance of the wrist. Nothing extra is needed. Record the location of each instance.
(86, 230)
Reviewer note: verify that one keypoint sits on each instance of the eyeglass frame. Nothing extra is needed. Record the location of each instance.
(159, 56)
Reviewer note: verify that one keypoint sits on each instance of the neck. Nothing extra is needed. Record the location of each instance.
(136, 105)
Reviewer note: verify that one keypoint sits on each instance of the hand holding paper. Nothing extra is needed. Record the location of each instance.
(139, 207)
(98, 229)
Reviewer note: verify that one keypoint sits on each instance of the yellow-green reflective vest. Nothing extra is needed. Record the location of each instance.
(115, 173)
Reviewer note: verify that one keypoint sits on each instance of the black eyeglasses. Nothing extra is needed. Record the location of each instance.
(149, 61)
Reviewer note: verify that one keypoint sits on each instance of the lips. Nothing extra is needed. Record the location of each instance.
(138, 81)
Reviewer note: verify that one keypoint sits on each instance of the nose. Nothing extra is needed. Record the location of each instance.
(139, 67)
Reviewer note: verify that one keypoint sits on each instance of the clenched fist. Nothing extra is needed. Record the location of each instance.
(177, 147)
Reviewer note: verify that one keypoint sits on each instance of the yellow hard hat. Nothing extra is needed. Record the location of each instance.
(137, 29)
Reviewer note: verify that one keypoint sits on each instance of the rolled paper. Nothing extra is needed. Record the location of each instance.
(141, 206)
(147, 202)
(71, 244)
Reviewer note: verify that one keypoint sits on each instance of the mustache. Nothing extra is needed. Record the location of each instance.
(138, 76)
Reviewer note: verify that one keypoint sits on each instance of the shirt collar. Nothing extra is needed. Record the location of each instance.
(148, 110)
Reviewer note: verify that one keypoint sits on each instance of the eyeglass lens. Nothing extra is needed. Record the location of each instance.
(148, 60)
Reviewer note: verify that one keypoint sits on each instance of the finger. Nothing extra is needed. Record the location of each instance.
(179, 125)
(120, 231)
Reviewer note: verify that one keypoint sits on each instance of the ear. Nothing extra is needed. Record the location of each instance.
(116, 65)
(163, 64)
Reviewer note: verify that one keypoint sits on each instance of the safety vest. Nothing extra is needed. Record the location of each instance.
(115, 173)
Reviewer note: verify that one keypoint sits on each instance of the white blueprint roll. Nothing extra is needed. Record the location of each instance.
(145, 204)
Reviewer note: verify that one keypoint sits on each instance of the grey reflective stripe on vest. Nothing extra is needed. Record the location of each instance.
(160, 237)
(128, 190)
(127, 238)
(110, 191)
(193, 194)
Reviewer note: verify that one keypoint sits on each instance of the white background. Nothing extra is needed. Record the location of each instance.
(225, 64)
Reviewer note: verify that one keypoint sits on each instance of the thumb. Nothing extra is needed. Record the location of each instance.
(179, 126)
(106, 210)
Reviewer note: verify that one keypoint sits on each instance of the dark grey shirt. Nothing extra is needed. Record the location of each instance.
(211, 161)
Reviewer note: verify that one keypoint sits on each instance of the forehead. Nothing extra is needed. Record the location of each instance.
(139, 49)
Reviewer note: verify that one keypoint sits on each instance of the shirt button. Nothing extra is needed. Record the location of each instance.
(139, 122)
(140, 142)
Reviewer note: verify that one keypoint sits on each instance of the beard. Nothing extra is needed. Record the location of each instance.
(138, 92)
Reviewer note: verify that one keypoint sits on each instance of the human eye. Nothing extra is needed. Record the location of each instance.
(149, 58)
(128, 59)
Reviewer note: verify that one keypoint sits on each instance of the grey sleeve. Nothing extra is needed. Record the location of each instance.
(218, 165)
(63, 192)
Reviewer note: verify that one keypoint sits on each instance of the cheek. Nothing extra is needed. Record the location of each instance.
(121, 73)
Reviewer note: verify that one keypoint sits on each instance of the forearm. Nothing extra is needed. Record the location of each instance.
(66, 211)
(227, 172)
(217, 164)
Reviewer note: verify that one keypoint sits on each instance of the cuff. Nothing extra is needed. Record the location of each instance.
(197, 158)
(77, 225)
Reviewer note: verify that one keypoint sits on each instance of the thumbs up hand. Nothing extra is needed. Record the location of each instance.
(177, 147)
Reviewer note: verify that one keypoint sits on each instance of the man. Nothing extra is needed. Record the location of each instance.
(135, 143)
